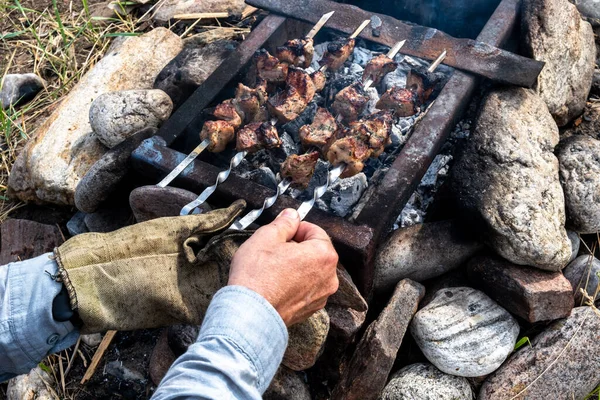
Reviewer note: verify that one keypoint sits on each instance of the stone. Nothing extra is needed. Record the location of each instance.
(561, 363)
(455, 278)
(108, 219)
(579, 160)
(347, 294)
(181, 337)
(368, 369)
(423, 381)
(552, 31)
(161, 359)
(422, 252)
(596, 81)
(584, 273)
(116, 116)
(121, 371)
(590, 10)
(19, 89)
(35, 385)
(170, 8)
(575, 244)
(507, 180)
(305, 341)
(464, 333)
(76, 225)
(529, 293)
(23, 239)
(287, 385)
(64, 147)
(92, 339)
(186, 72)
(104, 178)
(149, 202)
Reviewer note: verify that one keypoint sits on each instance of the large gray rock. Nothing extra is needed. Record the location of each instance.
(116, 116)
(423, 381)
(422, 252)
(34, 385)
(562, 363)
(287, 385)
(305, 342)
(579, 159)
(170, 8)
(64, 147)
(507, 180)
(367, 372)
(182, 76)
(553, 32)
(584, 273)
(590, 10)
(19, 89)
(347, 294)
(464, 333)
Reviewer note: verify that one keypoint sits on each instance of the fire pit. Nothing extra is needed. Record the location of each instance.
(355, 241)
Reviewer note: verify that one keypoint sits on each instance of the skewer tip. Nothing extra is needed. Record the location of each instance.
(358, 30)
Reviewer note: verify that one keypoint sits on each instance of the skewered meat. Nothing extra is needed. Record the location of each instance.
(350, 150)
(402, 101)
(251, 102)
(300, 168)
(219, 133)
(302, 81)
(319, 133)
(319, 80)
(375, 130)
(256, 136)
(422, 82)
(296, 52)
(350, 102)
(337, 53)
(378, 67)
(227, 111)
(287, 105)
(269, 67)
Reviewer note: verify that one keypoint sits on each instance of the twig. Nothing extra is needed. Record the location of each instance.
(106, 340)
(73, 357)
(202, 15)
(188, 30)
(248, 11)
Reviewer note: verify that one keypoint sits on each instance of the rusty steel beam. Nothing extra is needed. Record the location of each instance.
(354, 243)
(468, 55)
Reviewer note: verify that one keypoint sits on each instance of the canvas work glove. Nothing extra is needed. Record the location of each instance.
(152, 274)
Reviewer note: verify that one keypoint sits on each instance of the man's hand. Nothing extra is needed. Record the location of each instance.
(290, 263)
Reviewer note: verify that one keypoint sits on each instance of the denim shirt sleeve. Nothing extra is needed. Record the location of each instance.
(240, 346)
(28, 333)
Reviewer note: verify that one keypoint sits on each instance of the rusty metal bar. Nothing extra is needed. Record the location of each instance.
(468, 55)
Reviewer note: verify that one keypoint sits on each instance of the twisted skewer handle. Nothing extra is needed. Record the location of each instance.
(253, 215)
(332, 176)
(222, 177)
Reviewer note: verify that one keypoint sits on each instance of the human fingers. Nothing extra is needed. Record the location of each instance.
(307, 231)
(283, 228)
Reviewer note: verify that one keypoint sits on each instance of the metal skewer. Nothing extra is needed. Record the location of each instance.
(437, 62)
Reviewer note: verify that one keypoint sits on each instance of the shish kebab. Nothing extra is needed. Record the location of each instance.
(297, 52)
(325, 126)
(294, 79)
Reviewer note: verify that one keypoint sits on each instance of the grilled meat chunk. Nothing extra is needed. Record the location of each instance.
(227, 111)
(269, 68)
(302, 81)
(287, 105)
(378, 67)
(350, 102)
(337, 53)
(374, 130)
(219, 133)
(319, 80)
(422, 82)
(296, 52)
(319, 133)
(402, 101)
(350, 150)
(300, 168)
(257, 136)
(251, 102)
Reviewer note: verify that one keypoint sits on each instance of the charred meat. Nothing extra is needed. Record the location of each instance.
(302, 81)
(300, 168)
(402, 101)
(296, 52)
(227, 111)
(257, 136)
(337, 53)
(287, 105)
(351, 151)
(374, 130)
(319, 133)
(319, 80)
(422, 82)
(378, 67)
(350, 102)
(251, 102)
(219, 133)
(269, 68)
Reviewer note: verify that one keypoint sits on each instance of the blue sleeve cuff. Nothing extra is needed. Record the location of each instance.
(249, 321)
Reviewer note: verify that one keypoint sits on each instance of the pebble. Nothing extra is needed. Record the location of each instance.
(76, 225)
(116, 116)
(19, 89)
(30, 386)
(464, 333)
(584, 273)
(92, 339)
(423, 381)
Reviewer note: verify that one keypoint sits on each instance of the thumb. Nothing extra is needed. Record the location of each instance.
(286, 224)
